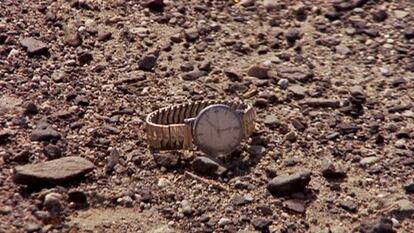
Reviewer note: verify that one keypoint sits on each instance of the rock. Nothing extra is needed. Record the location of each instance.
(113, 159)
(271, 4)
(295, 206)
(380, 225)
(73, 38)
(294, 74)
(271, 121)
(347, 128)
(186, 208)
(237, 200)
(34, 47)
(44, 132)
(224, 221)
(193, 75)
(258, 71)
(329, 171)
(293, 34)
(257, 150)
(207, 166)
(409, 188)
(261, 224)
(283, 83)
(79, 198)
(298, 91)
(166, 160)
(380, 15)
(400, 14)
(409, 33)
(291, 136)
(53, 203)
(147, 62)
(343, 50)
(247, 3)
(31, 108)
(52, 151)
(285, 185)
(321, 103)
(163, 229)
(191, 34)
(369, 160)
(404, 209)
(104, 36)
(85, 57)
(205, 66)
(163, 182)
(32, 227)
(233, 75)
(186, 67)
(357, 95)
(54, 172)
(5, 135)
(157, 5)
(348, 205)
(126, 201)
(5, 210)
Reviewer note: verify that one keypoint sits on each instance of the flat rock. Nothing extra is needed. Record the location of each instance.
(194, 75)
(191, 34)
(298, 91)
(329, 171)
(295, 206)
(285, 185)
(348, 205)
(54, 172)
(403, 209)
(295, 74)
(44, 132)
(34, 47)
(380, 225)
(258, 71)
(321, 103)
(369, 160)
(207, 166)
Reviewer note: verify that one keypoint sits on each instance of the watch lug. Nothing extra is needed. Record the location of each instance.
(189, 121)
(240, 112)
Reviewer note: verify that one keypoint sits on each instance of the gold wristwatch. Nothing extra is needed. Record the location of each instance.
(215, 127)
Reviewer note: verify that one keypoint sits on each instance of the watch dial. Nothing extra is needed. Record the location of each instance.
(218, 130)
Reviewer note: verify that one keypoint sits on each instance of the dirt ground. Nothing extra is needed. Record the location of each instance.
(332, 83)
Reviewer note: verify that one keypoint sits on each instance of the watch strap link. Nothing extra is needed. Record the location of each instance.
(166, 129)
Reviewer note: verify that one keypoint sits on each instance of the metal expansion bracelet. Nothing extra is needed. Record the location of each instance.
(166, 128)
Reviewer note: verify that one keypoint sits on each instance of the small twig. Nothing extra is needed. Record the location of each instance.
(214, 184)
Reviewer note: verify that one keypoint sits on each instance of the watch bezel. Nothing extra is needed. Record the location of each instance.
(200, 145)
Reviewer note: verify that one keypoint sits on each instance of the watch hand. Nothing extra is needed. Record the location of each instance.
(225, 129)
(211, 124)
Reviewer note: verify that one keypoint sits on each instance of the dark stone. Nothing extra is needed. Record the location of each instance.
(261, 224)
(156, 5)
(346, 128)
(79, 198)
(331, 172)
(293, 34)
(147, 62)
(5, 135)
(193, 75)
(104, 36)
(44, 132)
(233, 75)
(52, 151)
(186, 67)
(73, 38)
(207, 166)
(409, 188)
(409, 33)
(31, 108)
(321, 103)
(85, 57)
(349, 205)
(21, 157)
(380, 15)
(286, 185)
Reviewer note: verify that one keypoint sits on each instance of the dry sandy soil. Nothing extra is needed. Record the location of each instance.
(332, 83)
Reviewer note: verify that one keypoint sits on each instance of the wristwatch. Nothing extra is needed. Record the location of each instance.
(215, 127)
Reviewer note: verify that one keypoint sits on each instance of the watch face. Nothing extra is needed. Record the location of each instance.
(218, 130)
